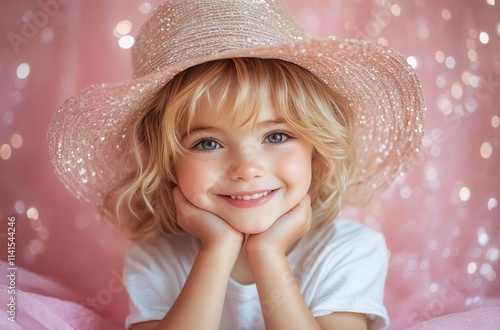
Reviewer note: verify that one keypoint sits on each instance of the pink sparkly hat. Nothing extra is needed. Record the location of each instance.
(86, 135)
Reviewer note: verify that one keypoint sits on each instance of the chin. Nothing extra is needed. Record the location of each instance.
(251, 226)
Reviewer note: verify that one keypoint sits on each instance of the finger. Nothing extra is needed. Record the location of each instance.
(300, 214)
(183, 208)
(305, 202)
(187, 210)
(303, 208)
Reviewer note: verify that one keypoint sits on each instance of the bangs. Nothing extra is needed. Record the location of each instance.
(226, 88)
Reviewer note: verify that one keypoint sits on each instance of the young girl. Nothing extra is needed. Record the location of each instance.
(227, 159)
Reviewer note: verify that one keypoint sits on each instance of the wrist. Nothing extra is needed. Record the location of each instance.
(227, 242)
(265, 257)
(224, 249)
(255, 246)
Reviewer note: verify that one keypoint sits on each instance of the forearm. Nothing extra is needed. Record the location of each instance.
(199, 304)
(283, 306)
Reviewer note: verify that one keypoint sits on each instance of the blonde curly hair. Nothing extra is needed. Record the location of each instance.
(142, 205)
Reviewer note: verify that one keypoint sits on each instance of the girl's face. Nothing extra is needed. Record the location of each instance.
(247, 173)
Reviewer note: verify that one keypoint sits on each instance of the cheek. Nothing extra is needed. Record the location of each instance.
(195, 179)
(295, 168)
(189, 176)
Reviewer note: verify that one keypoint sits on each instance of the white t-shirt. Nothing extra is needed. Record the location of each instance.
(339, 268)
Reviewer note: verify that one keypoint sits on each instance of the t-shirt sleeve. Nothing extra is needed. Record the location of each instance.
(351, 278)
(154, 275)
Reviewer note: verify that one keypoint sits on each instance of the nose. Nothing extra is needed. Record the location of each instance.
(246, 164)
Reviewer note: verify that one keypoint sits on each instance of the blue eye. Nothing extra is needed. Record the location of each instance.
(276, 137)
(207, 145)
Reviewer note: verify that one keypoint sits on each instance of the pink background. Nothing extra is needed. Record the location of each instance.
(442, 223)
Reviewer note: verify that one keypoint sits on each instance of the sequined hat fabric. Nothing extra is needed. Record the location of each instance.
(87, 133)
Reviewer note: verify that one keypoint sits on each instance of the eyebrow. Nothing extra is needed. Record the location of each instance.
(263, 124)
(272, 122)
(202, 128)
(196, 129)
(268, 123)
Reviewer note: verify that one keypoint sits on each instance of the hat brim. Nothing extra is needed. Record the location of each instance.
(86, 134)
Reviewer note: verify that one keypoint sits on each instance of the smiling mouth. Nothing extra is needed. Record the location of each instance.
(251, 197)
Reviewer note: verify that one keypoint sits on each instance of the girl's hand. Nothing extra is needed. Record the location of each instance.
(207, 227)
(284, 232)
